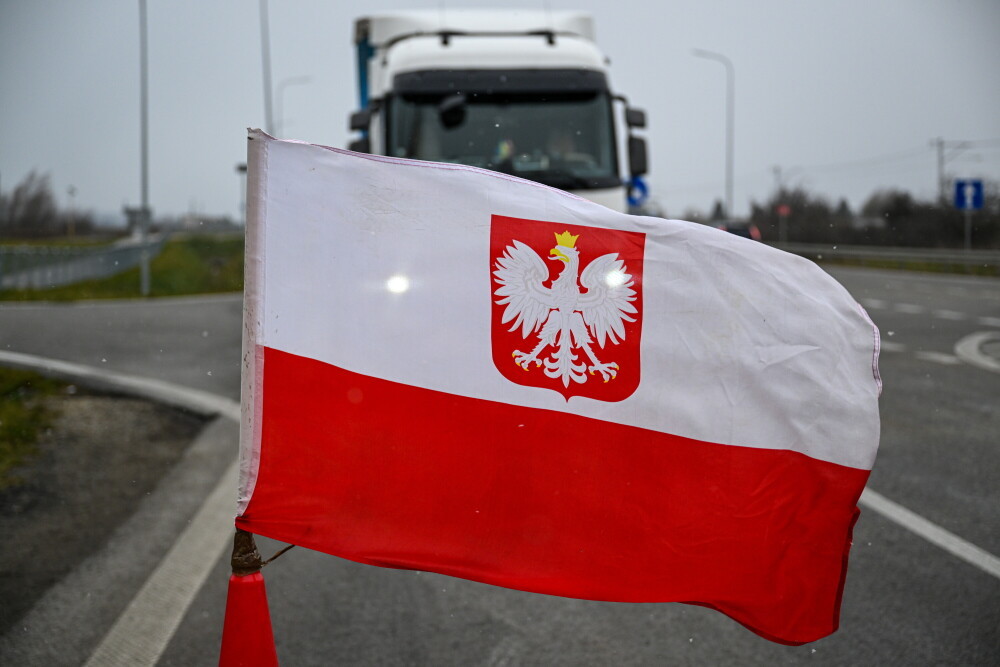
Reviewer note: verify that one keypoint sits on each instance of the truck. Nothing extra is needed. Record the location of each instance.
(526, 93)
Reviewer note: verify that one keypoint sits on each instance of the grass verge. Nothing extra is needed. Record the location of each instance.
(912, 265)
(23, 417)
(190, 265)
(63, 241)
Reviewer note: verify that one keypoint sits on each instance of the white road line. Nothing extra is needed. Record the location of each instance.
(939, 358)
(990, 321)
(909, 308)
(142, 632)
(952, 315)
(874, 304)
(931, 532)
(969, 350)
(889, 346)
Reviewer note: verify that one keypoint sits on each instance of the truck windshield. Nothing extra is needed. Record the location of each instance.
(564, 140)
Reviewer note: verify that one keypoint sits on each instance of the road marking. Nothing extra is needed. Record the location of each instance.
(142, 632)
(952, 315)
(931, 532)
(874, 304)
(990, 321)
(889, 346)
(909, 308)
(939, 358)
(970, 350)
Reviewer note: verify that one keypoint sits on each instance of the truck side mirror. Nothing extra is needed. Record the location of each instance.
(362, 145)
(361, 119)
(637, 161)
(635, 117)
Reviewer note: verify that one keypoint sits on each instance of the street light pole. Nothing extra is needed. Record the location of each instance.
(71, 222)
(144, 213)
(730, 115)
(265, 55)
(279, 119)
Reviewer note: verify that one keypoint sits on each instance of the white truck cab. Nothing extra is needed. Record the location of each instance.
(521, 92)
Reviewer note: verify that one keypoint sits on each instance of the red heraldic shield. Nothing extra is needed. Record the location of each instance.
(567, 307)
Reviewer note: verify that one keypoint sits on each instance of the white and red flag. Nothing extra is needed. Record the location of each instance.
(454, 370)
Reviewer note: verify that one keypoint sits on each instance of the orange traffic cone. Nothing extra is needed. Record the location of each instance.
(247, 638)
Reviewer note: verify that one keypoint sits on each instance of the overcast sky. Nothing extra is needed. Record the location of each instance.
(845, 96)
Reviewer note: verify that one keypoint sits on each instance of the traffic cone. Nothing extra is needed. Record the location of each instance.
(247, 638)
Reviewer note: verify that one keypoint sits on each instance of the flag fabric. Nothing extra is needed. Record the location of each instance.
(454, 370)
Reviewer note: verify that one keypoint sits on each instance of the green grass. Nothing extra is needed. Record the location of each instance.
(912, 265)
(23, 416)
(191, 265)
(62, 241)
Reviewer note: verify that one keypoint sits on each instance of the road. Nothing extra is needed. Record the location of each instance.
(907, 601)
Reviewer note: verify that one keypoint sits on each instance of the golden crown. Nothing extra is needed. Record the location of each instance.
(566, 239)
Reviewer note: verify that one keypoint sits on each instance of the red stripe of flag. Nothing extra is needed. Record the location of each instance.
(394, 475)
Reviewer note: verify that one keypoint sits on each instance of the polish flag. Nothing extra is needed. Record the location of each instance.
(454, 370)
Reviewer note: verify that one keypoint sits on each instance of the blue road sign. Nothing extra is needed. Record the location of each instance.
(637, 190)
(969, 194)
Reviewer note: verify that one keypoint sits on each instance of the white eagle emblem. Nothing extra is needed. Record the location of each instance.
(565, 317)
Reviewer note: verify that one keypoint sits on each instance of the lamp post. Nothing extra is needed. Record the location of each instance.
(730, 86)
(144, 213)
(71, 221)
(279, 117)
(265, 57)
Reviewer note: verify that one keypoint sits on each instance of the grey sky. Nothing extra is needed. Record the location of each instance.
(845, 96)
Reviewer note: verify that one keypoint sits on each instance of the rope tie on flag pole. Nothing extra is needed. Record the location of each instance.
(246, 558)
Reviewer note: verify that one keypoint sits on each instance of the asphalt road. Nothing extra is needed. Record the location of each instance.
(906, 602)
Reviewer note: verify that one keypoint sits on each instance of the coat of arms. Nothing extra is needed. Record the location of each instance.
(570, 322)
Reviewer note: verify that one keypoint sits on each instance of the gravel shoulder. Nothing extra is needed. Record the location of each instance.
(101, 457)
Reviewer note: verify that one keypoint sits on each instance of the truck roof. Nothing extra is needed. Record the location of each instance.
(496, 53)
(383, 28)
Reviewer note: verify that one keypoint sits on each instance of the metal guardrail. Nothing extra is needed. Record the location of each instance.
(42, 267)
(973, 261)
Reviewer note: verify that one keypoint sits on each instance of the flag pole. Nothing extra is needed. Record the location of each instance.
(247, 637)
(246, 558)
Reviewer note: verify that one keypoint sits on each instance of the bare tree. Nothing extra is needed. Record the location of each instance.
(31, 208)
(30, 211)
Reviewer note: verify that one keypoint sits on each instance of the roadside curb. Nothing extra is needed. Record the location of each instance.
(151, 567)
(193, 400)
